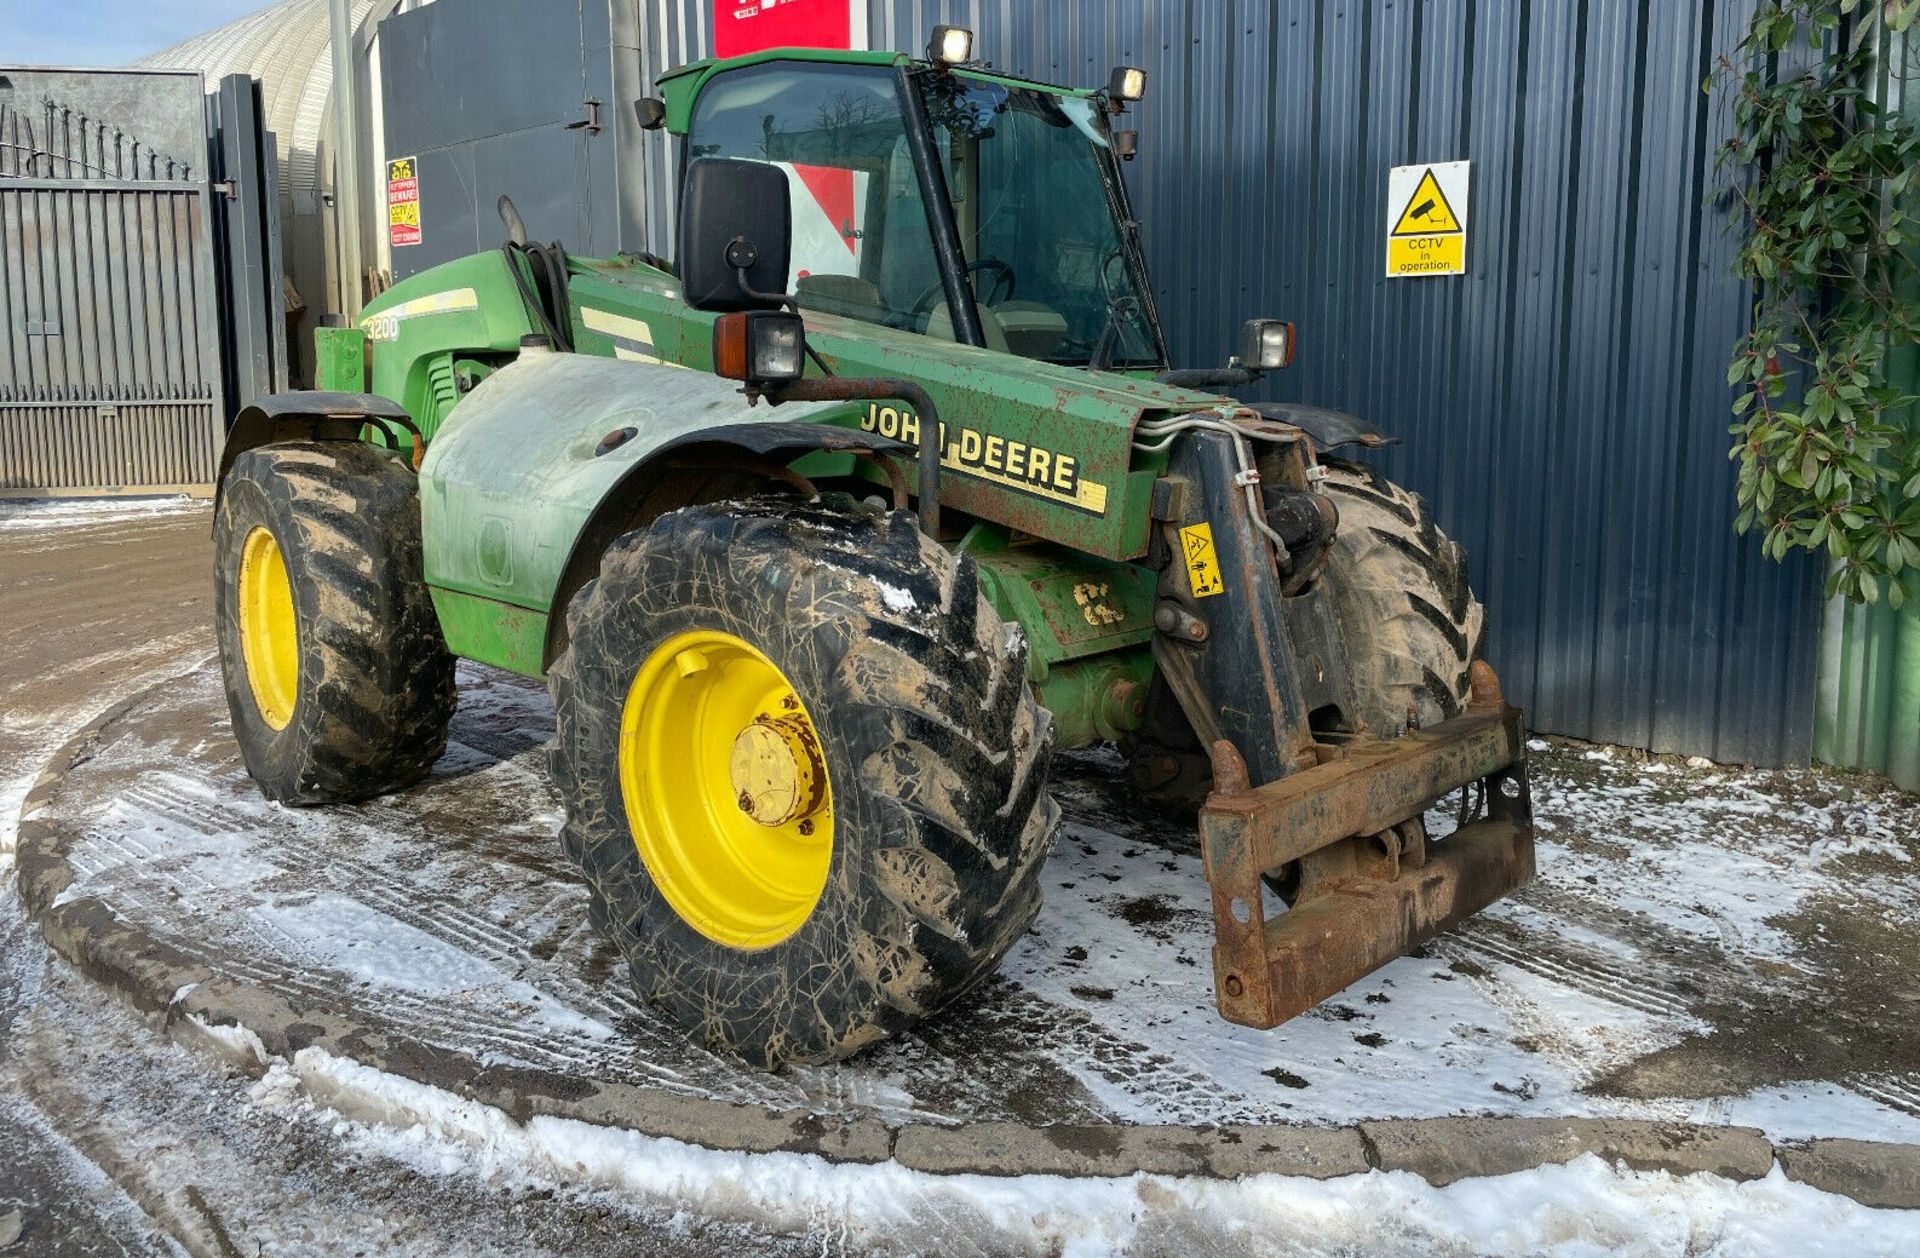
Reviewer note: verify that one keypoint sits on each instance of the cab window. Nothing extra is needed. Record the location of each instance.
(861, 244)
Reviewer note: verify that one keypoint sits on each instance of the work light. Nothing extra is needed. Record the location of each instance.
(1127, 83)
(1266, 344)
(952, 45)
(759, 346)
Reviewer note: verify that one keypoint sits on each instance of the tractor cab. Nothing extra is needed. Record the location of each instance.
(941, 199)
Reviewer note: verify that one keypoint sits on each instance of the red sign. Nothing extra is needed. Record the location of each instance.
(742, 26)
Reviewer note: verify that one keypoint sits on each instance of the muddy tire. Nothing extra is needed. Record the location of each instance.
(346, 690)
(917, 702)
(1400, 593)
(1407, 617)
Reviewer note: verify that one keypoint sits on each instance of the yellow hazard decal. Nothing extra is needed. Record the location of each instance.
(1203, 567)
(1097, 605)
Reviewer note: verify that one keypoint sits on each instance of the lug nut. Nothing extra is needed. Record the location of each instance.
(746, 802)
(806, 825)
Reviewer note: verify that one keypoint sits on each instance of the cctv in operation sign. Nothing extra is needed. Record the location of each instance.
(1427, 220)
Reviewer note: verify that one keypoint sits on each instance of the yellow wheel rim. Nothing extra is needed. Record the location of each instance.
(269, 641)
(725, 788)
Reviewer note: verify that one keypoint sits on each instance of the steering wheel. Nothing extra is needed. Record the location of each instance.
(999, 290)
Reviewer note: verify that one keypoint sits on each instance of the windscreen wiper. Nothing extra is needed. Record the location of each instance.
(1120, 311)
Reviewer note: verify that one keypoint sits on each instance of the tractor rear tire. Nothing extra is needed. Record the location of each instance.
(338, 680)
(1401, 597)
(801, 936)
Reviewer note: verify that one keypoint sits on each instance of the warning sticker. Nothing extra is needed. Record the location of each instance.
(403, 201)
(1427, 220)
(1203, 569)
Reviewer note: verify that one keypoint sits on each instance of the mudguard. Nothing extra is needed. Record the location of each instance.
(308, 415)
(520, 477)
(1329, 429)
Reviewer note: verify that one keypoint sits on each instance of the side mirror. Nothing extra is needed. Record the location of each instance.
(736, 235)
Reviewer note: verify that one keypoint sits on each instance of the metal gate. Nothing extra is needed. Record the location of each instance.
(111, 367)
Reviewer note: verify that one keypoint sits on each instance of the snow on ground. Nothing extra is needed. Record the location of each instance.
(1584, 1207)
(1693, 931)
(1657, 968)
(18, 514)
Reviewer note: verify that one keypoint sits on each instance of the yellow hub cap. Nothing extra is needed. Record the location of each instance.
(269, 641)
(725, 788)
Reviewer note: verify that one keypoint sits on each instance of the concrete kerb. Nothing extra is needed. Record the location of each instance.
(159, 979)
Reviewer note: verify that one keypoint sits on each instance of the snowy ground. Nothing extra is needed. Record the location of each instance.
(1701, 943)
(1686, 925)
(49, 517)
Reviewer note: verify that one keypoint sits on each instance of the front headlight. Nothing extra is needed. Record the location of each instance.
(760, 346)
(1266, 344)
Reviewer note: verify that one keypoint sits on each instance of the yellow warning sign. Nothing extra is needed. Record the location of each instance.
(1427, 220)
(403, 201)
(1203, 569)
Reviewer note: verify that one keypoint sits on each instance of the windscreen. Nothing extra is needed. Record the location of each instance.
(1030, 175)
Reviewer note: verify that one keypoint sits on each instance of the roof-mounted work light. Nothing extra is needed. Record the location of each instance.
(950, 45)
(1127, 83)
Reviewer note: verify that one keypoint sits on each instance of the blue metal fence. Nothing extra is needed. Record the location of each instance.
(1564, 405)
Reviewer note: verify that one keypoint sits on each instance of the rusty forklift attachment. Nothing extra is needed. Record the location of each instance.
(1369, 887)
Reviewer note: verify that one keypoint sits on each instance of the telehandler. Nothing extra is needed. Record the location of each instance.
(810, 659)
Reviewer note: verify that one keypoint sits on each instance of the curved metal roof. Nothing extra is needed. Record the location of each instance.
(285, 47)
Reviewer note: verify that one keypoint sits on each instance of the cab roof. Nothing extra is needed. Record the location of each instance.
(681, 85)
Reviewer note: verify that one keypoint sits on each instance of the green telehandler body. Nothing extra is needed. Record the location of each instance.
(827, 532)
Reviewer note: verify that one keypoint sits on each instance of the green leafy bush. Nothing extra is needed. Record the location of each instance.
(1823, 173)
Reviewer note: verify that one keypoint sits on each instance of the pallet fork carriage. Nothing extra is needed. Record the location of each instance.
(816, 613)
(1344, 814)
(1371, 888)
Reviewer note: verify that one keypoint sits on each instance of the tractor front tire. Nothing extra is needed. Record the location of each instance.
(804, 776)
(1400, 595)
(338, 680)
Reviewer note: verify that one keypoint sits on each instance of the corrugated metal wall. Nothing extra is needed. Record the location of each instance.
(1869, 688)
(1564, 405)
